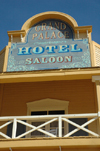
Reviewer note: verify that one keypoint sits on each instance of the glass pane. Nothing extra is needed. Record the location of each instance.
(79, 121)
(56, 112)
(39, 113)
(55, 131)
(55, 124)
(37, 133)
(38, 123)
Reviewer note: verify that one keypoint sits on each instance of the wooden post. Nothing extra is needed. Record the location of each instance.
(78, 34)
(87, 33)
(96, 79)
(60, 126)
(98, 102)
(14, 128)
(11, 38)
(21, 36)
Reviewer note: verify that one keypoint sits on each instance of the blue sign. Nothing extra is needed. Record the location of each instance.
(50, 44)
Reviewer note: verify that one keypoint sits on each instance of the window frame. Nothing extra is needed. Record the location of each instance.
(47, 105)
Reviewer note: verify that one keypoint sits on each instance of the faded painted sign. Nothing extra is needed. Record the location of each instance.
(49, 44)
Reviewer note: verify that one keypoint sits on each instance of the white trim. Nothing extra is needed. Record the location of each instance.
(50, 118)
(95, 78)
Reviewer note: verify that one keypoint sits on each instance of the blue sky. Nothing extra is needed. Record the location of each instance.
(13, 14)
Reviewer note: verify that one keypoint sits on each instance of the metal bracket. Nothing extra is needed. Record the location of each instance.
(21, 37)
(10, 149)
(59, 148)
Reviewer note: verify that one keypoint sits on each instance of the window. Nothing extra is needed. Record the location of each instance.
(47, 107)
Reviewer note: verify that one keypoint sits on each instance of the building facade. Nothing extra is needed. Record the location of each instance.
(50, 86)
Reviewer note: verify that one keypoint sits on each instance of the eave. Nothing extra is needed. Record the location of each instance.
(16, 33)
(83, 29)
(49, 75)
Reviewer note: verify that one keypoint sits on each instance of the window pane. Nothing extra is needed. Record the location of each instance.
(79, 121)
(37, 133)
(39, 113)
(56, 112)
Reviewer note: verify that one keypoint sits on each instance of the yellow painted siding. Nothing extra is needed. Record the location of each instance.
(79, 93)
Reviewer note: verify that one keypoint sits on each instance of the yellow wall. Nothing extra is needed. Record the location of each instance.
(80, 94)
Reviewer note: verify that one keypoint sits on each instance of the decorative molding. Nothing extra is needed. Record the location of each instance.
(95, 78)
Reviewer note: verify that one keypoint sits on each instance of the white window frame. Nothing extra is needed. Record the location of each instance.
(48, 105)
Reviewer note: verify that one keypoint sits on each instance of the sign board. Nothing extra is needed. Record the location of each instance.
(49, 44)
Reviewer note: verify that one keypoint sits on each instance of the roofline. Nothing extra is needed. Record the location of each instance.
(53, 75)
